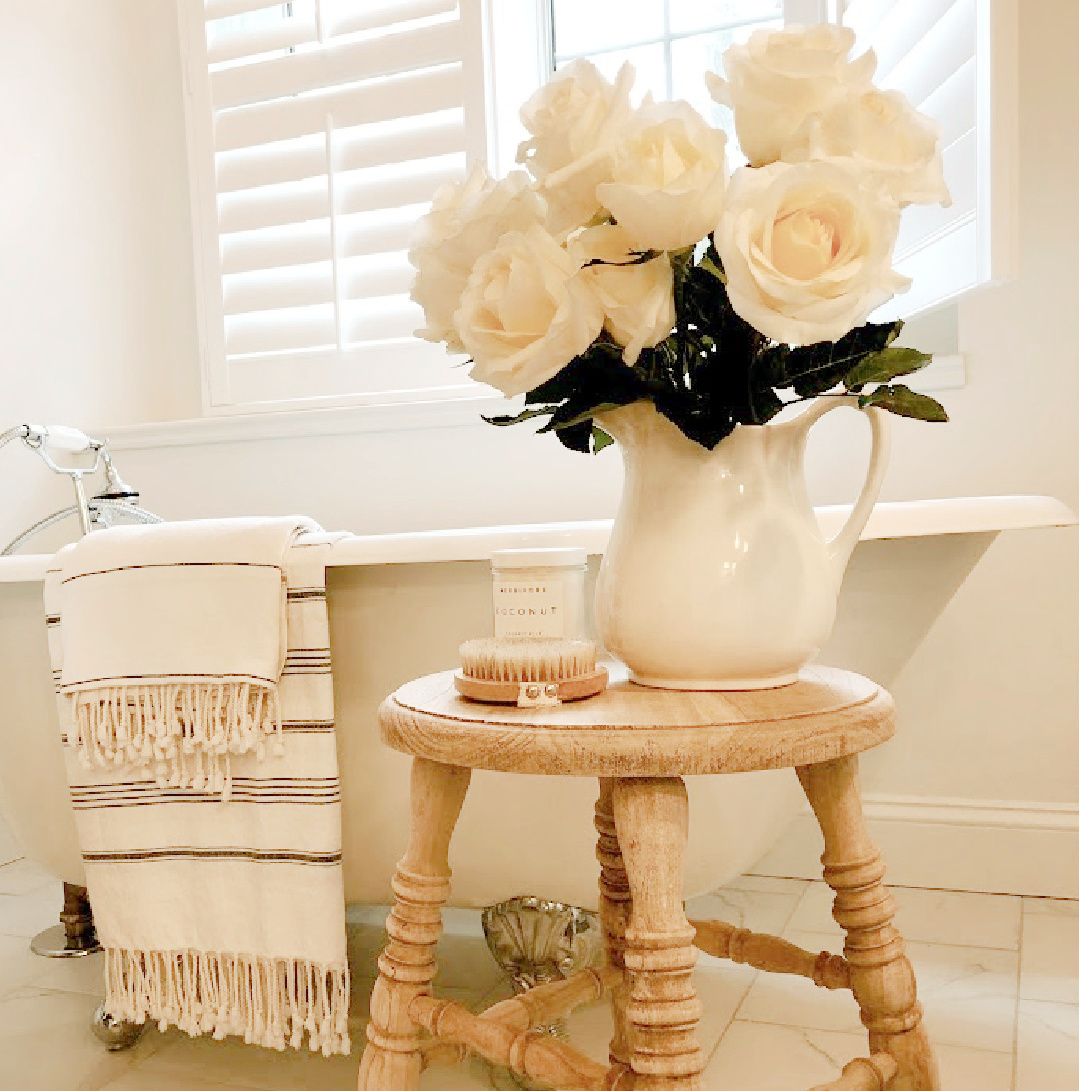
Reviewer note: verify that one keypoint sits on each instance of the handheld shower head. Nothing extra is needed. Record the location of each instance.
(116, 488)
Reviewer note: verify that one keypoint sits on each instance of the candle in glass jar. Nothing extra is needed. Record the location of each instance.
(538, 594)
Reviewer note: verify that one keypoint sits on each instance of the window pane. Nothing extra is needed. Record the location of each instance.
(587, 26)
(690, 15)
(692, 57)
(648, 61)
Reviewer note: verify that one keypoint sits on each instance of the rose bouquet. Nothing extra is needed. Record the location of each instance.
(628, 264)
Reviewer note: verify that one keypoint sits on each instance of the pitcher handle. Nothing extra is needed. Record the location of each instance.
(840, 547)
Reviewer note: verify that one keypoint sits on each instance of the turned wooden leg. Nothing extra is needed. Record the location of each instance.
(651, 817)
(881, 976)
(392, 1058)
(614, 914)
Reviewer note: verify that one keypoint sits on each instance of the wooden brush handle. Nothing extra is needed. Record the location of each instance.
(512, 693)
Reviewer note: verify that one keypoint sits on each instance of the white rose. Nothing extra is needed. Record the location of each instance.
(638, 299)
(575, 120)
(571, 115)
(526, 312)
(807, 249)
(780, 77)
(466, 220)
(668, 177)
(886, 137)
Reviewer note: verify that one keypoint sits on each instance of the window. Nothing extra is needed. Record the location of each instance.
(319, 130)
(670, 43)
(956, 61)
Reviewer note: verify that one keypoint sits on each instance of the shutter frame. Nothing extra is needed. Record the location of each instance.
(249, 262)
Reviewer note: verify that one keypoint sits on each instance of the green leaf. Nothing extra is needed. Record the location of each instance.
(576, 438)
(600, 440)
(904, 402)
(525, 414)
(880, 367)
(814, 369)
(710, 266)
(557, 422)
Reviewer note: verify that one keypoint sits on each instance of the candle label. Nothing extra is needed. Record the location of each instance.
(528, 608)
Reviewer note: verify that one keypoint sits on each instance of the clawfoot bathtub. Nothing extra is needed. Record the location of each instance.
(400, 605)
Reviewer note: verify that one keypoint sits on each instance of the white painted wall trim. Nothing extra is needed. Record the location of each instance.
(991, 846)
(944, 373)
(301, 423)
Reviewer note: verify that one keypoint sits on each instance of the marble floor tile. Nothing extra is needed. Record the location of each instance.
(23, 876)
(929, 916)
(27, 914)
(775, 1058)
(1048, 958)
(85, 974)
(968, 994)
(787, 1034)
(18, 964)
(46, 1043)
(466, 963)
(238, 1065)
(1058, 907)
(1046, 1047)
(757, 909)
(140, 1079)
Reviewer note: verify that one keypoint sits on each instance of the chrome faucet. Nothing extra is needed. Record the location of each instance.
(117, 502)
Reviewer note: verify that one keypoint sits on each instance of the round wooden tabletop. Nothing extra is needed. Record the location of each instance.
(634, 731)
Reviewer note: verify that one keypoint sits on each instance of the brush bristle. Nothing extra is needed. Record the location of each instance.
(495, 660)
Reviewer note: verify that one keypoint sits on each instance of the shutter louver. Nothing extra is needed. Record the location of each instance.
(332, 123)
(950, 58)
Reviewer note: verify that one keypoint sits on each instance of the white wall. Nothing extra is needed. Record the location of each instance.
(98, 329)
(97, 312)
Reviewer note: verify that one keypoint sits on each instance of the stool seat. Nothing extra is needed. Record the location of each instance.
(634, 731)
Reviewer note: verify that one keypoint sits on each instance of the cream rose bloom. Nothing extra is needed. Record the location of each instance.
(807, 249)
(526, 312)
(466, 220)
(885, 136)
(574, 121)
(780, 77)
(638, 299)
(668, 177)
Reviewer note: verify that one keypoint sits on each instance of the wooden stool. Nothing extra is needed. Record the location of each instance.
(640, 743)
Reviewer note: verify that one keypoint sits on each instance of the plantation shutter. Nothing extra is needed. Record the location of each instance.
(955, 61)
(319, 131)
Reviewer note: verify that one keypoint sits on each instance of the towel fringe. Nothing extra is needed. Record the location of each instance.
(185, 731)
(266, 1001)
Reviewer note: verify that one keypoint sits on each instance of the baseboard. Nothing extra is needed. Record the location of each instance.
(992, 846)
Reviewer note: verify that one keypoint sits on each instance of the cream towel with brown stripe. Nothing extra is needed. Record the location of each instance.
(174, 639)
(221, 917)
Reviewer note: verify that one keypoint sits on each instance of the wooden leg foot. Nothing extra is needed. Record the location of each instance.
(881, 976)
(392, 1057)
(651, 817)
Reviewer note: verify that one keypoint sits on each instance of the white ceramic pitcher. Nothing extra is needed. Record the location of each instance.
(716, 576)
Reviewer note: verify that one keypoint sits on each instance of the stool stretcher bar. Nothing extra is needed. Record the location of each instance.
(765, 952)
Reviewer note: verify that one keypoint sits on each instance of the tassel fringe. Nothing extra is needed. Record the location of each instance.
(269, 1002)
(184, 731)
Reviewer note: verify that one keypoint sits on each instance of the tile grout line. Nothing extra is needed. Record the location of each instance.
(1016, 1010)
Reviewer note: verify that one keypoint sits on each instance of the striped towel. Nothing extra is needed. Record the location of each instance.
(221, 917)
